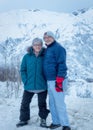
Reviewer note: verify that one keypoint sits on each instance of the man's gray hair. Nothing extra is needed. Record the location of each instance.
(50, 34)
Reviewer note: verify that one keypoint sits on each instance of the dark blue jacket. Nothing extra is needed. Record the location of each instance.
(55, 61)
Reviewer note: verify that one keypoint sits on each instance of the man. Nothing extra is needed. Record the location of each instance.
(34, 83)
(55, 71)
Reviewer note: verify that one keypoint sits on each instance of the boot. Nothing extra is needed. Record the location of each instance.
(66, 128)
(54, 126)
(42, 122)
(21, 123)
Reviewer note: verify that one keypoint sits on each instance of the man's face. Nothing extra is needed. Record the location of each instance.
(48, 40)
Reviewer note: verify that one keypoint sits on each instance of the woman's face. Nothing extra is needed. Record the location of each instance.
(37, 47)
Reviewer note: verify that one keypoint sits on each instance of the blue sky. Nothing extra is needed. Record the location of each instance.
(52, 5)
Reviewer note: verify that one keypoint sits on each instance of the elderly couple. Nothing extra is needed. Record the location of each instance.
(41, 70)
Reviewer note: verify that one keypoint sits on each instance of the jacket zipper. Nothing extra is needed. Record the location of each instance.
(35, 72)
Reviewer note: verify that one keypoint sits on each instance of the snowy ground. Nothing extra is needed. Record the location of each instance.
(80, 111)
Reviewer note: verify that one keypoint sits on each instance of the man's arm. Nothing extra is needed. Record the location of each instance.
(61, 62)
(61, 68)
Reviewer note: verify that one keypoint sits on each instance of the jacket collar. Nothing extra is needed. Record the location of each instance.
(31, 52)
(51, 44)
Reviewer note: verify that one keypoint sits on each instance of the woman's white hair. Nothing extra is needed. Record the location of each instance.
(37, 41)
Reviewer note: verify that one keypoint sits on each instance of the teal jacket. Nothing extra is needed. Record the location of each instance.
(32, 71)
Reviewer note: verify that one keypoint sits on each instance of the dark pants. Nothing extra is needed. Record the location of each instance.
(25, 105)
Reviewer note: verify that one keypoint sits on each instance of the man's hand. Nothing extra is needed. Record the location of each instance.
(59, 82)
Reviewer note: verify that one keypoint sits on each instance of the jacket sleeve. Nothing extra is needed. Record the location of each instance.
(61, 62)
(23, 70)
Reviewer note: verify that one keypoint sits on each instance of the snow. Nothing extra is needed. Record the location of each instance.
(80, 111)
(75, 33)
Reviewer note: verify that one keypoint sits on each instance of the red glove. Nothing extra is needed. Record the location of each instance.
(59, 81)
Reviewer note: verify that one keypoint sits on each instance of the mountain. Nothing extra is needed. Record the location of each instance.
(73, 31)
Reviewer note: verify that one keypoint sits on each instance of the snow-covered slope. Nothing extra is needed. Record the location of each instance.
(74, 32)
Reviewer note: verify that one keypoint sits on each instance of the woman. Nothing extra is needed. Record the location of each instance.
(34, 82)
